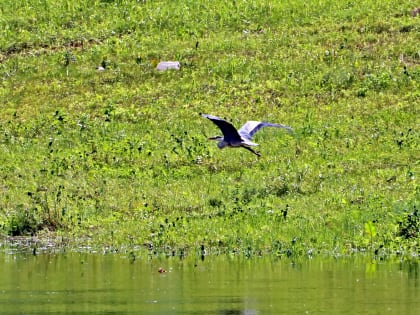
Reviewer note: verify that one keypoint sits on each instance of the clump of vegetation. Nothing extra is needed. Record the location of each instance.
(409, 226)
(100, 149)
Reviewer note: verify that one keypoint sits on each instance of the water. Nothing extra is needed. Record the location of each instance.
(73, 283)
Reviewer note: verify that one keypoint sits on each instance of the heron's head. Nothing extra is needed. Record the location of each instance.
(221, 143)
(217, 138)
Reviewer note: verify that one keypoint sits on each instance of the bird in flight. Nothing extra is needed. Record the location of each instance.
(239, 138)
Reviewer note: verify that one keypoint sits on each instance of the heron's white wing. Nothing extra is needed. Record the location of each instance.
(251, 127)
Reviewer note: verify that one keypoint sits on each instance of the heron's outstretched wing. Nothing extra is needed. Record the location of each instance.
(229, 131)
(251, 127)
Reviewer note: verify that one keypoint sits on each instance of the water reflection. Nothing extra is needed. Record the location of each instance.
(412, 271)
(112, 284)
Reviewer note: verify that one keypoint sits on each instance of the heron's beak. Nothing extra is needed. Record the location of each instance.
(213, 138)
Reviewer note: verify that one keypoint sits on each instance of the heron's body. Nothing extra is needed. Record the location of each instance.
(239, 138)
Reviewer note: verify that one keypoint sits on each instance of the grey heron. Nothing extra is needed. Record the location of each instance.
(239, 138)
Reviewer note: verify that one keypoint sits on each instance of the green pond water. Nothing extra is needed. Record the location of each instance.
(74, 283)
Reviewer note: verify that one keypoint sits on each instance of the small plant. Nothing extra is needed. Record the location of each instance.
(370, 231)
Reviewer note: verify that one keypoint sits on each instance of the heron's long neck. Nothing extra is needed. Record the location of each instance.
(221, 143)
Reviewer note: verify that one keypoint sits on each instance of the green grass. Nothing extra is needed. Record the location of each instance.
(118, 159)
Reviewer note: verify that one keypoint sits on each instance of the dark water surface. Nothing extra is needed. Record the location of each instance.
(73, 283)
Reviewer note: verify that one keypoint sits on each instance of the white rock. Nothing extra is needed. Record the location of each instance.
(167, 65)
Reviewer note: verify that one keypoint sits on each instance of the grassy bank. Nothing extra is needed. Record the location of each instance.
(119, 159)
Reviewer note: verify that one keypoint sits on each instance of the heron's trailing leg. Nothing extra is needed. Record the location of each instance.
(249, 149)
